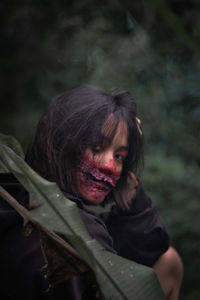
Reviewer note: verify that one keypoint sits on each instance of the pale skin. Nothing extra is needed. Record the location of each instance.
(109, 160)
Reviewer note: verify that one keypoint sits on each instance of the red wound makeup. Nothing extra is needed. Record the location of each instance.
(93, 182)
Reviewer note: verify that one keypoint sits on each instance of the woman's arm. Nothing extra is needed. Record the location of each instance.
(135, 225)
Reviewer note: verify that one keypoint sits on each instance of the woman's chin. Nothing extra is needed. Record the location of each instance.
(94, 197)
(91, 191)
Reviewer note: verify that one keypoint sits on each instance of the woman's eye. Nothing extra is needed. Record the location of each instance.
(120, 157)
(96, 148)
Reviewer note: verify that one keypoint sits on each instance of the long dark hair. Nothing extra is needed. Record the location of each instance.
(73, 122)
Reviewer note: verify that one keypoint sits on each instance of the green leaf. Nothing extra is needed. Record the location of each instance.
(11, 142)
(62, 260)
(118, 277)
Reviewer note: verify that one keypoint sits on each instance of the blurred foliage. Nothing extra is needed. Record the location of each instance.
(174, 186)
(149, 47)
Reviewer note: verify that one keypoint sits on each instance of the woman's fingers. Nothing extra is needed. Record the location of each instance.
(125, 193)
(121, 200)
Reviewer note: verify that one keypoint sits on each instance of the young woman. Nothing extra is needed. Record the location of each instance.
(90, 143)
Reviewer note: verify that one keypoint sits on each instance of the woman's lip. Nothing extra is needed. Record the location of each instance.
(100, 185)
(102, 182)
(90, 182)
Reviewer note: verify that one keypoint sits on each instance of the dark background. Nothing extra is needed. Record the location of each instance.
(150, 48)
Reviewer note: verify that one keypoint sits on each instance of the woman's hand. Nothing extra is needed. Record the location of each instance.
(124, 193)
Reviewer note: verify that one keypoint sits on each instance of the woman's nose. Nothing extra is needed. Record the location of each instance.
(106, 164)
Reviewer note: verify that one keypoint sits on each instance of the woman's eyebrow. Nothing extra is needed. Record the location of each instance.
(108, 139)
(105, 138)
(123, 148)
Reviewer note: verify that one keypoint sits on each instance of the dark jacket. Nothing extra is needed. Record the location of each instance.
(138, 235)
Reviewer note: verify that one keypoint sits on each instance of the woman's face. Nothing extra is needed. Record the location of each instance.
(100, 168)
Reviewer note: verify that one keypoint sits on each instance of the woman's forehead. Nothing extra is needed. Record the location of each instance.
(113, 130)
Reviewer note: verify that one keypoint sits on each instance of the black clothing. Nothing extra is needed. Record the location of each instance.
(138, 235)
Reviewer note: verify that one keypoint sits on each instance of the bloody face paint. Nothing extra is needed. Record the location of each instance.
(93, 183)
(98, 171)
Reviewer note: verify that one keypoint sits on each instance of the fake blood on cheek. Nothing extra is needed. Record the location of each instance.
(94, 184)
(89, 166)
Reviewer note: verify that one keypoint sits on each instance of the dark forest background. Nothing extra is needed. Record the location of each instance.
(148, 47)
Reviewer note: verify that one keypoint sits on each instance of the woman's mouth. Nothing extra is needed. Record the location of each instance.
(89, 184)
(93, 184)
(102, 183)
